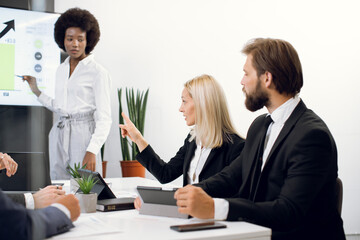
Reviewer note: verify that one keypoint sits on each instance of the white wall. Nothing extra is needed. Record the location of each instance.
(163, 43)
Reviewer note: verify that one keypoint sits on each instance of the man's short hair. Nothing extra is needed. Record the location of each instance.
(280, 59)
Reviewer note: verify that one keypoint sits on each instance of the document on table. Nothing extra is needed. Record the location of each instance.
(124, 194)
(88, 226)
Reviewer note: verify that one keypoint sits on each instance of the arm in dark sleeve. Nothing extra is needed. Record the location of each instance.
(225, 183)
(50, 220)
(16, 222)
(230, 181)
(164, 172)
(17, 197)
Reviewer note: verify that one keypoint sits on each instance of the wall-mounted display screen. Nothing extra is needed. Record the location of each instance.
(27, 47)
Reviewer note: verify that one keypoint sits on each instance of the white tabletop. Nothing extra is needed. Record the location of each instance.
(129, 224)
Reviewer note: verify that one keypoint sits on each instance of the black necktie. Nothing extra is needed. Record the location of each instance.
(259, 160)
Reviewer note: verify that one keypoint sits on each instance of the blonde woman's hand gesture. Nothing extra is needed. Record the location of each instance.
(128, 129)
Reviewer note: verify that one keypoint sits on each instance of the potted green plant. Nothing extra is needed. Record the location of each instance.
(136, 105)
(87, 199)
(74, 174)
(104, 163)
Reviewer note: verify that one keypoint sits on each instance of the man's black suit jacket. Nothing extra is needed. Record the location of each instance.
(180, 163)
(296, 192)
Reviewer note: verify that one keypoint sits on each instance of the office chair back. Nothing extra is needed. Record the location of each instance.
(33, 172)
(339, 194)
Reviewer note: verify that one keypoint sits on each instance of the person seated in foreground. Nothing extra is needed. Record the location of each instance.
(17, 222)
(40, 199)
(285, 177)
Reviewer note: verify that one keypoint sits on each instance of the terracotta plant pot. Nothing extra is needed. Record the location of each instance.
(87, 202)
(132, 169)
(104, 164)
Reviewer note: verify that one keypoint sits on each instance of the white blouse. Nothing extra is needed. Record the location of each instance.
(197, 163)
(87, 89)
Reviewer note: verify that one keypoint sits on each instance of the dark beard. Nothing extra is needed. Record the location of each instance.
(256, 100)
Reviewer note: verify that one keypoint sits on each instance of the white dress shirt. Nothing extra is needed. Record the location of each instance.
(279, 117)
(86, 90)
(29, 201)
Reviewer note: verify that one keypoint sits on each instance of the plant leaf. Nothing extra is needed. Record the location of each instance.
(86, 183)
(136, 104)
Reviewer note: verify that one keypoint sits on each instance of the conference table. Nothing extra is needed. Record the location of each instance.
(129, 224)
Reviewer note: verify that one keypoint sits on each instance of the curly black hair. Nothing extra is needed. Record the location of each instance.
(81, 18)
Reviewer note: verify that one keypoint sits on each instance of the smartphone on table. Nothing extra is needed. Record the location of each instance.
(197, 226)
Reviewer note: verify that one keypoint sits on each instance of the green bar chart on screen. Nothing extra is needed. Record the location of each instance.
(7, 66)
(27, 47)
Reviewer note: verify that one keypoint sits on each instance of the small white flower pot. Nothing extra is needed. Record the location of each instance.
(87, 202)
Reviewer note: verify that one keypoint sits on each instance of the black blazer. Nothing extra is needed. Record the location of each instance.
(179, 165)
(296, 192)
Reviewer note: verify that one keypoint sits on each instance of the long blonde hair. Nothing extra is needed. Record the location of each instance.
(213, 125)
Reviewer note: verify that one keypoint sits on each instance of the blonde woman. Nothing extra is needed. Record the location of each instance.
(211, 145)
